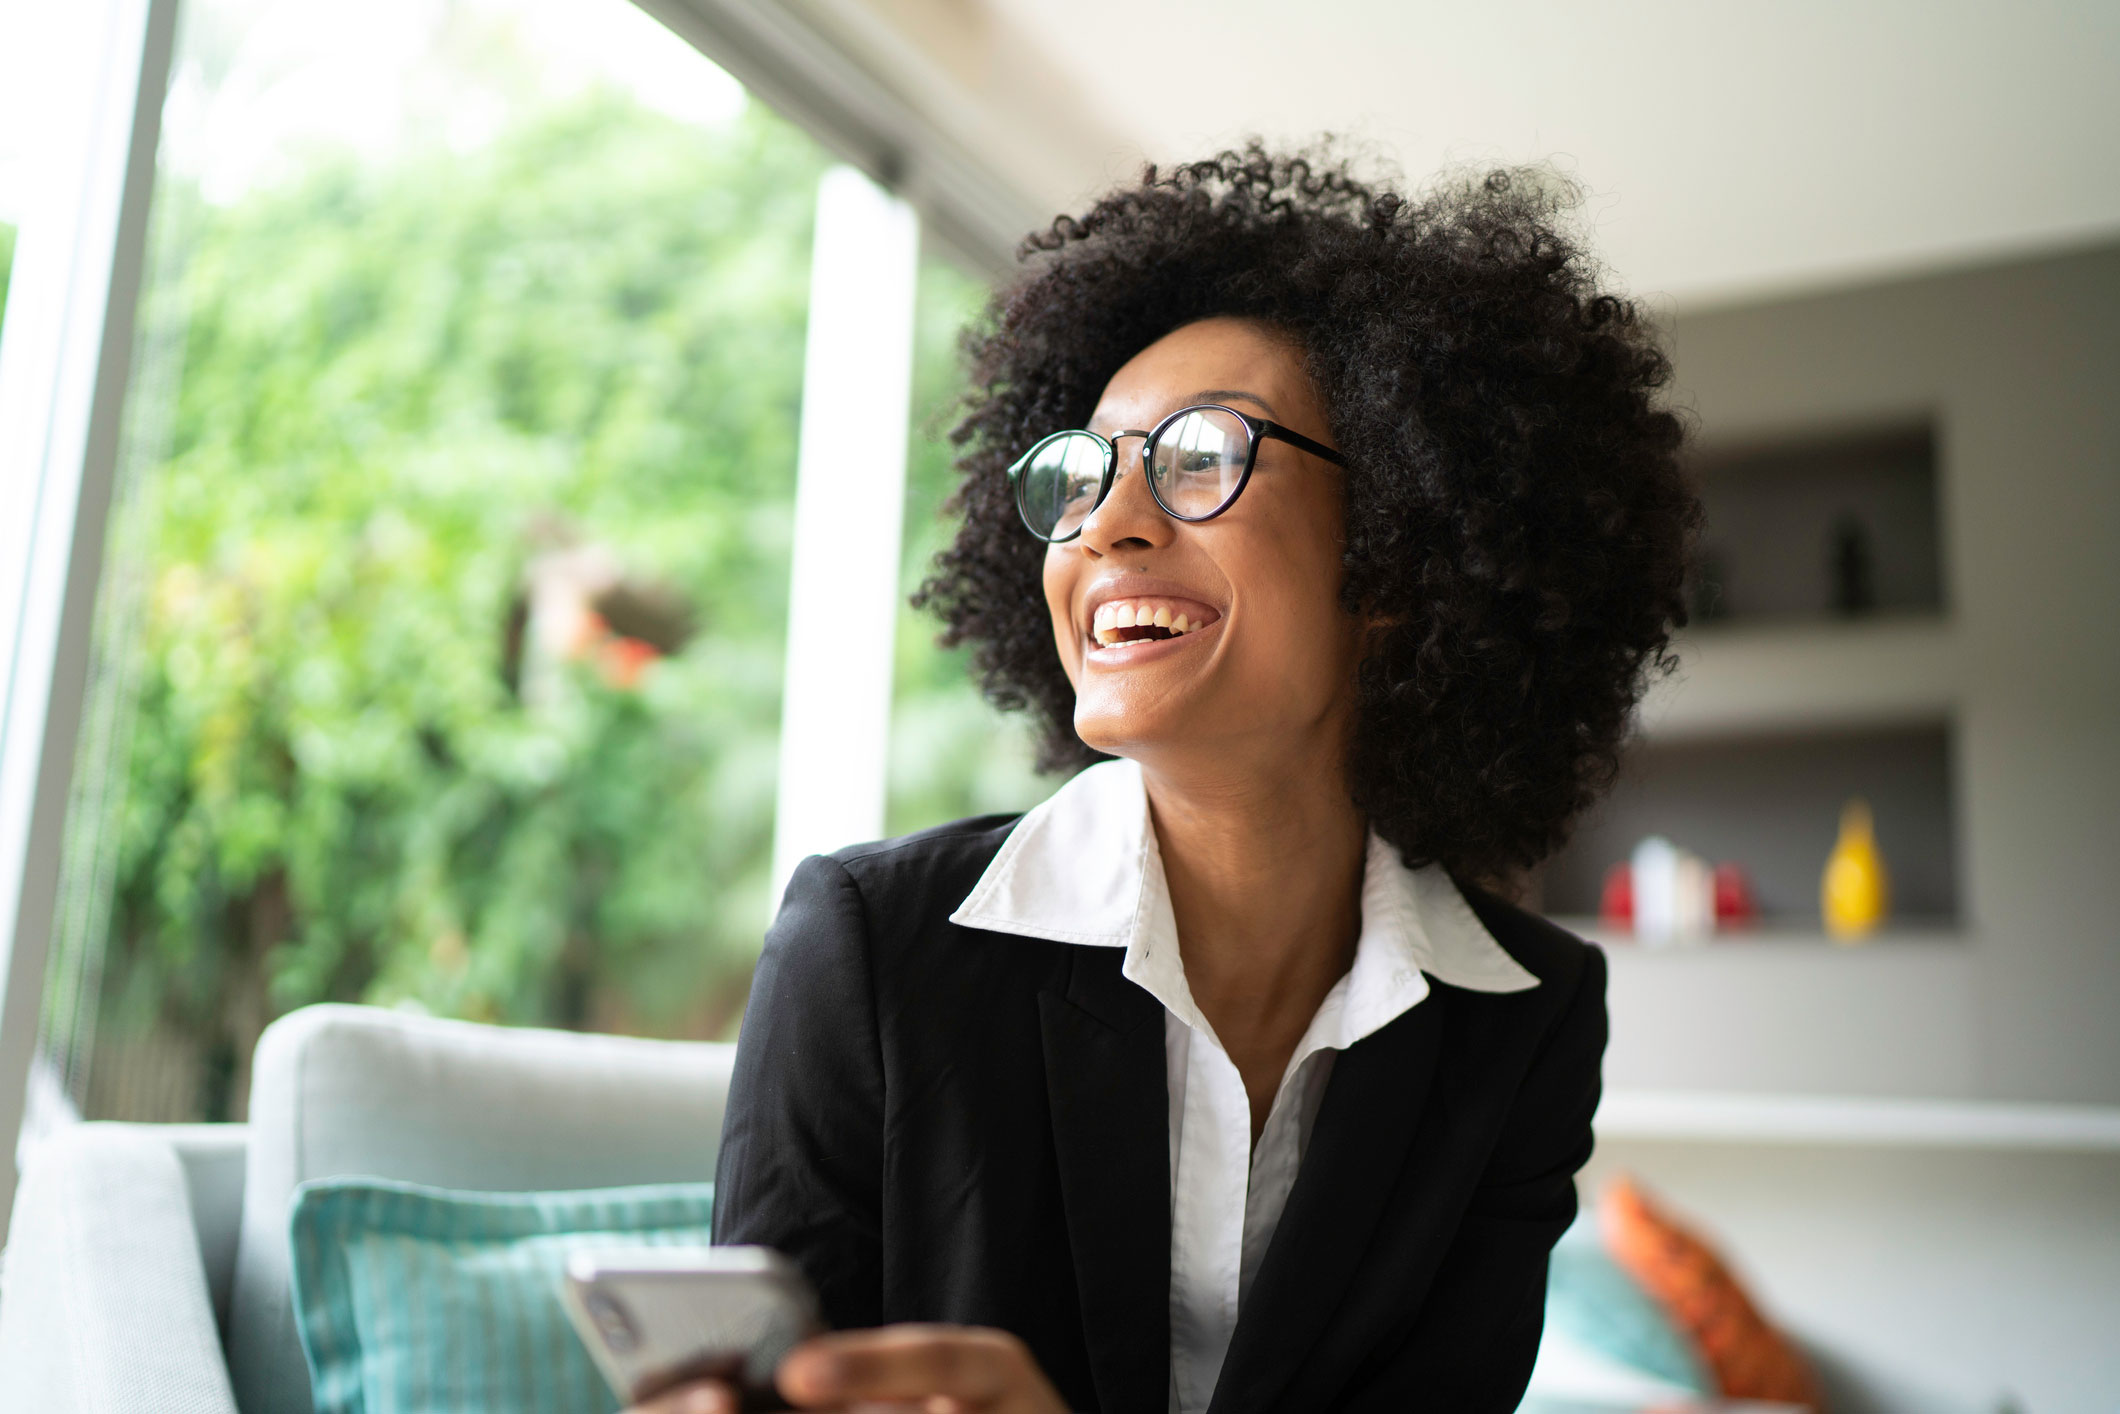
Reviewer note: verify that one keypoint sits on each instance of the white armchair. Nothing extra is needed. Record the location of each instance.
(147, 1266)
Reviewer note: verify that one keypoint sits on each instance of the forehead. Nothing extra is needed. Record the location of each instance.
(1219, 357)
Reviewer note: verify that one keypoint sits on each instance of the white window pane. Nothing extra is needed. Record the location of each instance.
(441, 630)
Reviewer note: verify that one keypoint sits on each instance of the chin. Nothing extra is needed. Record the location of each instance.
(1118, 733)
(1100, 736)
(1138, 736)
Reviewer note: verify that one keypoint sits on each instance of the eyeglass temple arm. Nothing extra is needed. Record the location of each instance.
(1296, 439)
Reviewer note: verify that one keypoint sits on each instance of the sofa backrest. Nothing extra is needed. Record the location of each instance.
(341, 1091)
(104, 1302)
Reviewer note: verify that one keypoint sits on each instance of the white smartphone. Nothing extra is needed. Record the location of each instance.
(654, 1317)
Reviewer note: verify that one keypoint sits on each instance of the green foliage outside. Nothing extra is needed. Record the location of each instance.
(7, 263)
(352, 774)
(951, 754)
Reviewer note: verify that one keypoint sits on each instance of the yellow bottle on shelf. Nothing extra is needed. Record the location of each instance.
(1854, 895)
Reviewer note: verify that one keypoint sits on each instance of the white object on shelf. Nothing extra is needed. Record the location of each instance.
(1857, 1120)
(1674, 894)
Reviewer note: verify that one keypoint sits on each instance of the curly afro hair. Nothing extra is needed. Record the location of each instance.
(1517, 520)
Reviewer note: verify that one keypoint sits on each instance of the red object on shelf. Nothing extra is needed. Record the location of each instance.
(1616, 903)
(1734, 900)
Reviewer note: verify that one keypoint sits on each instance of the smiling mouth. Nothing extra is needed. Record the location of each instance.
(1146, 620)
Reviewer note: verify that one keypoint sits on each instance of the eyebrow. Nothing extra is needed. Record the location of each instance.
(1223, 395)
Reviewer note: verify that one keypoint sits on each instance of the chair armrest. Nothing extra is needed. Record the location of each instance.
(213, 1157)
(104, 1304)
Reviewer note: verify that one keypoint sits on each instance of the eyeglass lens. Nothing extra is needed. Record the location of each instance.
(1198, 461)
(1059, 484)
(1194, 467)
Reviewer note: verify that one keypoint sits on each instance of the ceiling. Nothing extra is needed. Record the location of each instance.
(1728, 150)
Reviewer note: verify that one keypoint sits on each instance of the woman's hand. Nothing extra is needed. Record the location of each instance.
(933, 1369)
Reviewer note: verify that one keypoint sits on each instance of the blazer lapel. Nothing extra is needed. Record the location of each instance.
(1105, 1080)
(1358, 1149)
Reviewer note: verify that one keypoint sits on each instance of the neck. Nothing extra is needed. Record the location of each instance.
(1265, 874)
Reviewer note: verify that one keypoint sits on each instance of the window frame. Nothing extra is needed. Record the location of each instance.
(65, 367)
(66, 359)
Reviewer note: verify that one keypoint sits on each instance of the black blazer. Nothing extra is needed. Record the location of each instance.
(940, 1123)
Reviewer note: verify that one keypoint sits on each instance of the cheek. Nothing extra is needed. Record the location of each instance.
(1059, 581)
(1293, 591)
(1308, 641)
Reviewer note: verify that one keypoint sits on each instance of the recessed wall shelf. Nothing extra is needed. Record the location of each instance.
(1768, 935)
(1856, 1120)
(1820, 526)
(1771, 804)
(1778, 678)
(1890, 1017)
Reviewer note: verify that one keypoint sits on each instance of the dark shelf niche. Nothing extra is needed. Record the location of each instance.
(1841, 526)
(1771, 803)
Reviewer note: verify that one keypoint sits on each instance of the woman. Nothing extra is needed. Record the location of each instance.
(1226, 1078)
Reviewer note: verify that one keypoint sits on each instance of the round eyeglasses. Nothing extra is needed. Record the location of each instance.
(1199, 460)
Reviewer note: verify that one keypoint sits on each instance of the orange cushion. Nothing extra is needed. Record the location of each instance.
(1748, 1357)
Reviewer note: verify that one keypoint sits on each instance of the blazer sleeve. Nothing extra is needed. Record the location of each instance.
(1472, 1346)
(801, 1161)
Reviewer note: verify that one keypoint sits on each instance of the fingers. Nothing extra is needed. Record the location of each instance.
(699, 1397)
(938, 1365)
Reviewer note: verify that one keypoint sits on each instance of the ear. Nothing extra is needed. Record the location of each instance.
(1374, 626)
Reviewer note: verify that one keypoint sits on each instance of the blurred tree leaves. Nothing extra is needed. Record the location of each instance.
(7, 263)
(951, 754)
(400, 382)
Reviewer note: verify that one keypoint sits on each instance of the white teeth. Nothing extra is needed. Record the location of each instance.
(1114, 615)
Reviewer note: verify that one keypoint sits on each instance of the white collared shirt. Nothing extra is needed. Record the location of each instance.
(1084, 868)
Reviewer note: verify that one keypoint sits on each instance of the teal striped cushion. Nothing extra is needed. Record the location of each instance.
(414, 1299)
(1590, 1299)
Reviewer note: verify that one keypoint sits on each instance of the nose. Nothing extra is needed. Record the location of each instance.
(1128, 518)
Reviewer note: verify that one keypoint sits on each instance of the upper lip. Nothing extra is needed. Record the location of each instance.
(1137, 586)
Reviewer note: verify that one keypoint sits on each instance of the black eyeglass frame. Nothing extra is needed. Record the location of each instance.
(1256, 430)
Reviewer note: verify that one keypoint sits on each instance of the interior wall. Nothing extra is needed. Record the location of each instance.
(994, 87)
(1921, 1281)
(1792, 786)
(2017, 366)
(1725, 147)
(1931, 1281)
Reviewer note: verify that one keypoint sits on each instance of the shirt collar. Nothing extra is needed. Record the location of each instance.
(1083, 868)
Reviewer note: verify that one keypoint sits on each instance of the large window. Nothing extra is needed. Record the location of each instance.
(7, 264)
(951, 754)
(14, 179)
(439, 644)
